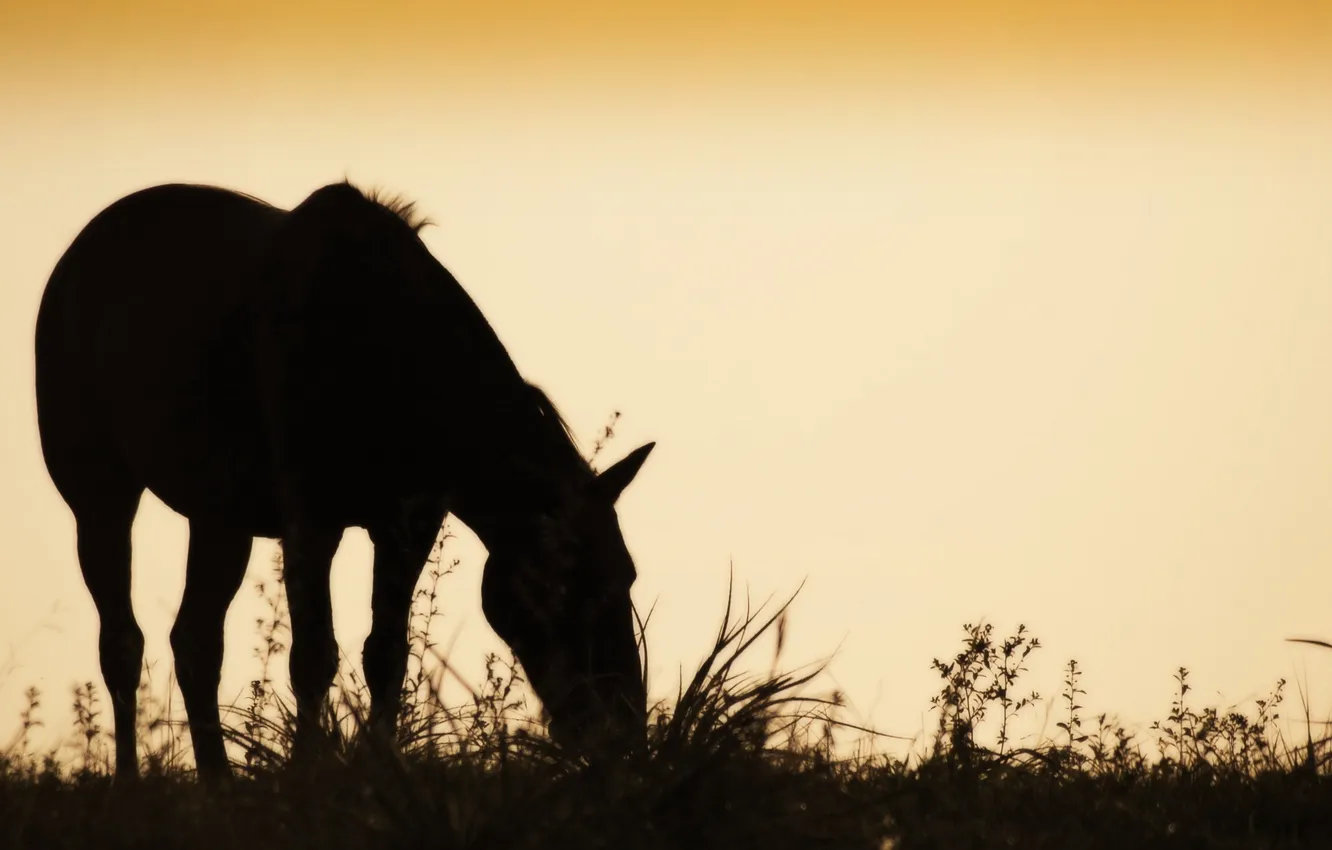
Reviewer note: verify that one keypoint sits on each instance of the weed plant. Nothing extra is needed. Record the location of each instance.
(735, 760)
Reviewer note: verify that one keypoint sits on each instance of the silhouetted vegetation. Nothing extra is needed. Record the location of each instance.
(736, 760)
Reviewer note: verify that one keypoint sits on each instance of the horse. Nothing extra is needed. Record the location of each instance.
(289, 374)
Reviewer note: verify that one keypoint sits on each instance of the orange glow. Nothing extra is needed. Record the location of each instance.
(729, 32)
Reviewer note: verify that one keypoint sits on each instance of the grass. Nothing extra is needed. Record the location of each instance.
(736, 760)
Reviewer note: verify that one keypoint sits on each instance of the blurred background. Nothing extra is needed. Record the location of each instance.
(1007, 311)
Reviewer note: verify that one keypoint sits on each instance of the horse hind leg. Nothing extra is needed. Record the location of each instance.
(307, 556)
(214, 571)
(104, 531)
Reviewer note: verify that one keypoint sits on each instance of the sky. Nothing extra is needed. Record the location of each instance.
(1018, 312)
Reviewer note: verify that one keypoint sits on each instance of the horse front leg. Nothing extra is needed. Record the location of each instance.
(402, 548)
(307, 556)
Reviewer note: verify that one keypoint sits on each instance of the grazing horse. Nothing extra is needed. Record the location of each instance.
(293, 373)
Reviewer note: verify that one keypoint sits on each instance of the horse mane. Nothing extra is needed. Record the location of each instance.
(404, 209)
(549, 411)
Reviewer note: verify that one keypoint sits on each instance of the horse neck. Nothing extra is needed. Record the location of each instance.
(520, 478)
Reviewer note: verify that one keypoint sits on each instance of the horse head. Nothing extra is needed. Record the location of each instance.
(558, 593)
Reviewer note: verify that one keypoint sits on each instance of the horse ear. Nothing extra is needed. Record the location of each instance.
(612, 481)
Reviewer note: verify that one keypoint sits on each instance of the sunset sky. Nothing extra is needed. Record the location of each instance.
(1014, 311)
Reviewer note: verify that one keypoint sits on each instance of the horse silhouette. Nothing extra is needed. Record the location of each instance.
(293, 373)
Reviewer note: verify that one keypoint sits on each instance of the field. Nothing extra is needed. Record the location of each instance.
(737, 760)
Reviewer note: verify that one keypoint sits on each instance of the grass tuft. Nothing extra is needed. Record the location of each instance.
(736, 759)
